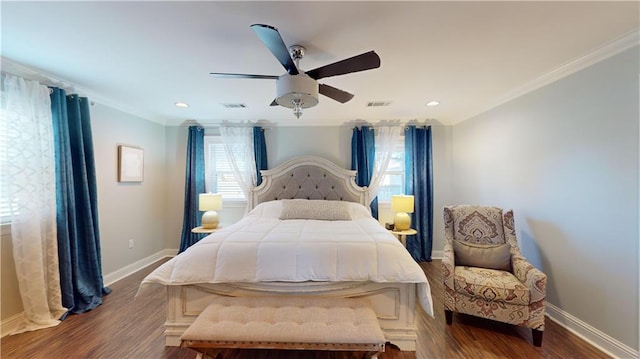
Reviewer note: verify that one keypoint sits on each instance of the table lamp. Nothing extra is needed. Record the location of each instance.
(402, 205)
(210, 203)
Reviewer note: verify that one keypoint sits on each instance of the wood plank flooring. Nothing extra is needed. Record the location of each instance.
(126, 328)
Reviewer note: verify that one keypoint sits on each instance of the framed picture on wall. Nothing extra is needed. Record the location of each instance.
(130, 164)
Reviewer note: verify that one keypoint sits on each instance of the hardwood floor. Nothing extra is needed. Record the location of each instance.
(126, 328)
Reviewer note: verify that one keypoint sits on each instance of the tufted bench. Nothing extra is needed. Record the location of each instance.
(297, 323)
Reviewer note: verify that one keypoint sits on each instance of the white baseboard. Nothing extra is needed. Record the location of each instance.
(136, 266)
(8, 325)
(590, 334)
(437, 254)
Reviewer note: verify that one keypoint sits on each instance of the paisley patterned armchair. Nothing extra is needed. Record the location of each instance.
(484, 272)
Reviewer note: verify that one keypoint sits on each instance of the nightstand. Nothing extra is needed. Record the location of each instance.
(200, 229)
(402, 235)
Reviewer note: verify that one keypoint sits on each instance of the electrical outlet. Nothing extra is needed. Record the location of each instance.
(131, 243)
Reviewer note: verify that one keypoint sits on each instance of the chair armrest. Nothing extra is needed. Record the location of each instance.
(530, 276)
(448, 266)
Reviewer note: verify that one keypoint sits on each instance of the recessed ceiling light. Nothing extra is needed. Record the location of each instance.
(181, 104)
(433, 103)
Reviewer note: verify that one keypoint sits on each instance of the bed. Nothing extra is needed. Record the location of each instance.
(350, 255)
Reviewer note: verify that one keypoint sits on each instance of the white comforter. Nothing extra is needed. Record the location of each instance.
(262, 248)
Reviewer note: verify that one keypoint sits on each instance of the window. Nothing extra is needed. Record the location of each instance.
(393, 180)
(219, 176)
(8, 203)
(5, 202)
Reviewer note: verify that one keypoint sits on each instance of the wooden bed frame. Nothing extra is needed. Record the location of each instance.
(311, 178)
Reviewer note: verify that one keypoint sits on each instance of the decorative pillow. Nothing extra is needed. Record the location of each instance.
(490, 256)
(315, 209)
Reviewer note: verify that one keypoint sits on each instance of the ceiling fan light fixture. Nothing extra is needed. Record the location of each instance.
(298, 89)
(296, 92)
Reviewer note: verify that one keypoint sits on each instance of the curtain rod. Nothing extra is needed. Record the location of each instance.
(16, 69)
(404, 126)
(215, 127)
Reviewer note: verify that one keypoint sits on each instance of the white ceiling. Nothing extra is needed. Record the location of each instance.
(144, 56)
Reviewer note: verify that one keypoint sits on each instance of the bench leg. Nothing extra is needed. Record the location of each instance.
(372, 355)
(207, 353)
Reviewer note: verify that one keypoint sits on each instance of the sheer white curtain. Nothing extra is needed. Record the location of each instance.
(386, 139)
(26, 124)
(238, 147)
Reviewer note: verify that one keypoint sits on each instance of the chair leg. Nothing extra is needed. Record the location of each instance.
(537, 337)
(448, 316)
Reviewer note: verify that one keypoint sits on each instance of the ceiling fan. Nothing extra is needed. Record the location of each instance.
(298, 89)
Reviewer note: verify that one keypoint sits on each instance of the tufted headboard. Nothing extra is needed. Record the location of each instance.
(308, 177)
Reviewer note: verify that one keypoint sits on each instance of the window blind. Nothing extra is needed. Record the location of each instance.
(393, 178)
(5, 201)
(218, 173)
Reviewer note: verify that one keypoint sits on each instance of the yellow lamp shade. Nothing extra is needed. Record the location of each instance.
(402, 203)
(210, 202)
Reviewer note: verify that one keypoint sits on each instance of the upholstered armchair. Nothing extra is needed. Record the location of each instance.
(484, 272)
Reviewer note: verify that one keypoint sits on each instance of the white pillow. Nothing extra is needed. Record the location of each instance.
(359, 211)
(270, 209)
(315, 209)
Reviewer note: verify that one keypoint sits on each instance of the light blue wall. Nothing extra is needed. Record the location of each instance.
(565, 158)
(128, 210)
(330, 142)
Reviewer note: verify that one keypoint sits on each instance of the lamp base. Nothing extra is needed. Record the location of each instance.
(402, 221)
(210, 220)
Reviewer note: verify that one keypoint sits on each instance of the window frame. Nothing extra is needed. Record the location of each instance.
(228, 201)
(398, 148)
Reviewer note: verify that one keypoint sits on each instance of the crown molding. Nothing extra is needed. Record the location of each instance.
(18, 69)
(602, 53)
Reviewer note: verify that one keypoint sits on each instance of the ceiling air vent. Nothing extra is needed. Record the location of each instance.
(234, 105)
(378, 103)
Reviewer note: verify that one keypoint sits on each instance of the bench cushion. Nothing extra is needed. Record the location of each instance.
(287, 320)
